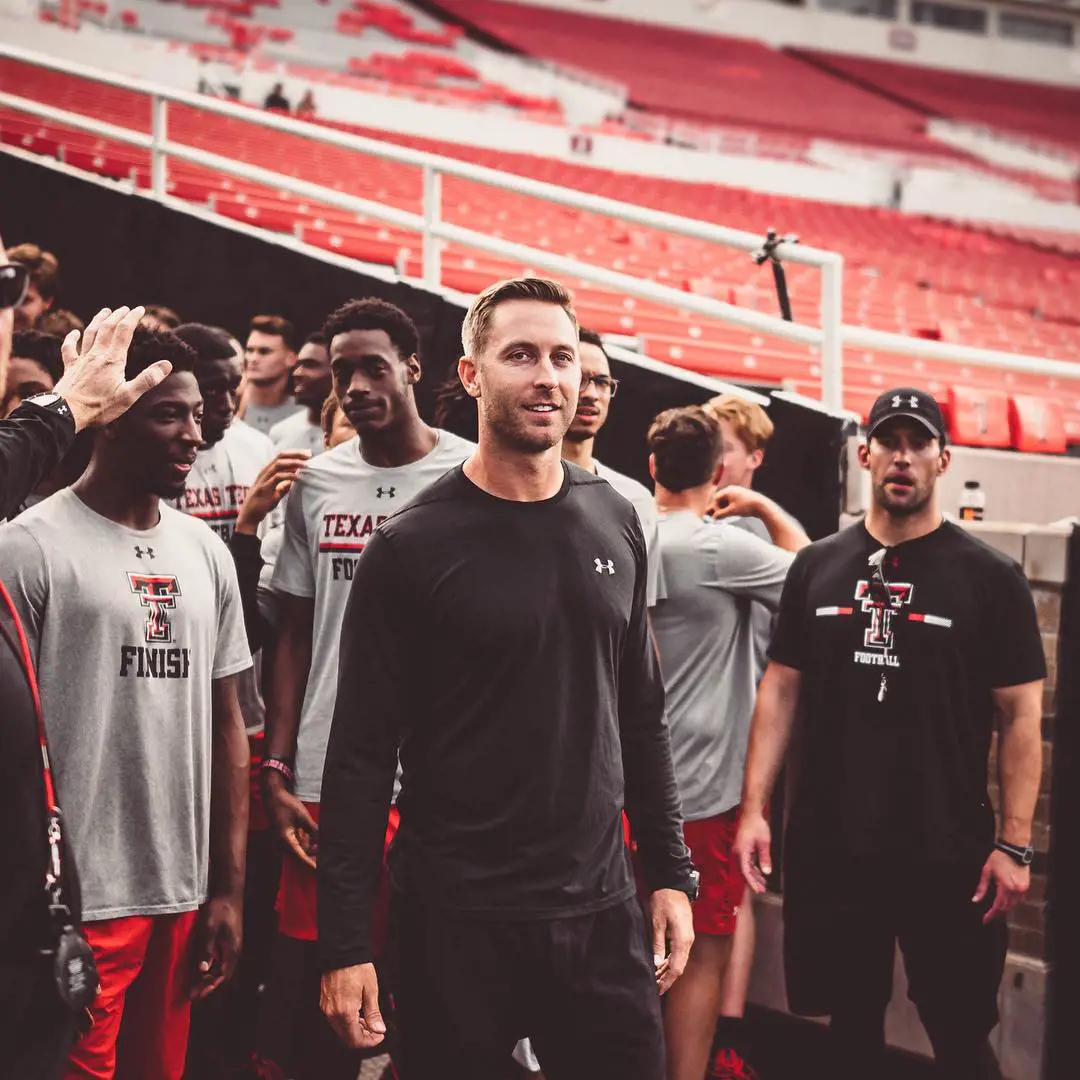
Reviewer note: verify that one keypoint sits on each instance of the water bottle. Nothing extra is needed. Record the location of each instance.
(972, 501)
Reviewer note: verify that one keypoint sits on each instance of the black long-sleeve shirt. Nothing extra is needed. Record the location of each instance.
(33, 441)
(246, 551)
(503, 647)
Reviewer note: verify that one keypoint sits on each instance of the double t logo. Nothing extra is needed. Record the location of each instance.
(158, 593)
(879, 635)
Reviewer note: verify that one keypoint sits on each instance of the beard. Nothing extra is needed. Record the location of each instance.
(509, 422)
(912, 506)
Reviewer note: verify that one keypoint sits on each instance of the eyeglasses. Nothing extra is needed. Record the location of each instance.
(14, 281)
(604, 384)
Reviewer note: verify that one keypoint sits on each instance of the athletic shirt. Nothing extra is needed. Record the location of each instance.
(263, 417)
(128, 629)
(333, 509)
(907, 774)
(219, 480)
(505, 647)
(760, 616)
(716, 576)
(641, 498)
(297, 432)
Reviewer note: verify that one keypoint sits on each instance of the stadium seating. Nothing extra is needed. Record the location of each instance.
(703, 76)
(1031, 110)
(912, 275)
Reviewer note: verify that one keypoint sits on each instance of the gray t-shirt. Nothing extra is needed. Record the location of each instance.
(128, 630)
(334, 506)
(704, 634)
(221, 476)
(297, 432)
(642, 499)
(760, 616)
(263, 417)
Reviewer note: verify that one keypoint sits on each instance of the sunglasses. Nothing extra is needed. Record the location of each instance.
(14, 281)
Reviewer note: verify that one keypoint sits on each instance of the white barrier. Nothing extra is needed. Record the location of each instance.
(830, 338)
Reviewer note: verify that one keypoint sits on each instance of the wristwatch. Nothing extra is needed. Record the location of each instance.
(691, 884)
(50, 402)
(1021, 855)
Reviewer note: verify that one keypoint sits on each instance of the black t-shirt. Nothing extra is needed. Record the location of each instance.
(908, 773)
(505, 645)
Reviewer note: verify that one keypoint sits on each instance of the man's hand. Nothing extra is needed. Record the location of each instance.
(1011, 882)
(752, 848)
(672, 922)
(270, 487)
(291, 819)
(93, 382)
(218, 936)
(734, 501)
(350, 1001)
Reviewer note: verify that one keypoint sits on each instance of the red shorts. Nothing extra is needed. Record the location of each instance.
(151, 956)
(296, 900)
(710, 841)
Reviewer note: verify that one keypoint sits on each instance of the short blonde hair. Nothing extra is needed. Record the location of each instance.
(477, 325)
(749, 421)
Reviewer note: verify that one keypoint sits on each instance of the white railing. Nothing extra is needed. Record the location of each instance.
(830, 338)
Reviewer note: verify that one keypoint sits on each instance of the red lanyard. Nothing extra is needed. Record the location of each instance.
(52, 810)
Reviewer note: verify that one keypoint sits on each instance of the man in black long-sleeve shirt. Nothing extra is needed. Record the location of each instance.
(496, 634)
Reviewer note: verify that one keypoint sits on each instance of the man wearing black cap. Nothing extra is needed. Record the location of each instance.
(899, 643)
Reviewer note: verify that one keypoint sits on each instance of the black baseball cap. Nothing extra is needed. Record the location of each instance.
(912, 403)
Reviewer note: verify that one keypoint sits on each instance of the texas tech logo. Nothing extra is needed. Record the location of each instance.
(882, 604)
(157, 593)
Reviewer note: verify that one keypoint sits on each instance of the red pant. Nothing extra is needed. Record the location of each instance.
(710, 841)
(151, 956)
(296, 899)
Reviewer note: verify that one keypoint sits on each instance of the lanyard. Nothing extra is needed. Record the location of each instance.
(54, 872)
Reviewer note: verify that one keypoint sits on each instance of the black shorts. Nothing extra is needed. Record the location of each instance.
(582, 988)
(841, 931)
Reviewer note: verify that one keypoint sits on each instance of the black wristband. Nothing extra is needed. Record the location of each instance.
(1021, 855)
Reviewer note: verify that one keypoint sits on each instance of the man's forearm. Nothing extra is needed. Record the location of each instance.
(1019, 775)
(770, 733)
(784, 531)
(229, 803)
(292, 666)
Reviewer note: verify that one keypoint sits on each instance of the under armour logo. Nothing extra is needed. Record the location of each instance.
(913, 402)
(601, 566)
(140, 552)
(388, 492)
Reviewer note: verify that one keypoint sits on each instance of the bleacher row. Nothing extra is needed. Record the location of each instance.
(724, 79)
(905, 274)
(233, 32)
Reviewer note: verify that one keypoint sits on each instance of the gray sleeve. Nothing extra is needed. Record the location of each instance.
(744, 565)
(26, 577)
(294, 573)
(655, 588)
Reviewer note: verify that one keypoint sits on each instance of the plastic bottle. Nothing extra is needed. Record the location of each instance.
(972, 501)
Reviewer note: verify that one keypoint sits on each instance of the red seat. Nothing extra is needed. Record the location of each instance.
(978, 417)
(1036, 425)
